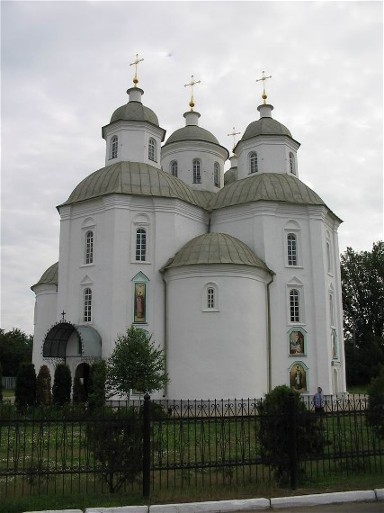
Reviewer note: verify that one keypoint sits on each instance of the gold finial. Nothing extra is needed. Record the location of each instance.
(263, 78)
(191, 84)
(234, 134)
(135, 63)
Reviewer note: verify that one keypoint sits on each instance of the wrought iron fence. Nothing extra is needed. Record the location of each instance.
(151, 445)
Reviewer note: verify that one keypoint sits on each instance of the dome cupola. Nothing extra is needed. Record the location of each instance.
(267, 146)
(193, 154)
(133, 134)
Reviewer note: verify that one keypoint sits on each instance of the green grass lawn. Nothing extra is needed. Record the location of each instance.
(8, 393)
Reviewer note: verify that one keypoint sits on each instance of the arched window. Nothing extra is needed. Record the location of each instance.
(87, 317)
(89, 247)
(292, 166)
(173, 167)
(294, 306)
(152, 149)
(292, 249)
(196, 171)
(211, 300)
(253, 168)
(141, 244)
(114, 146)
(216, 174)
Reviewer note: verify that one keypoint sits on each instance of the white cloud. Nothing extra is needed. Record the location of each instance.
(65, 69)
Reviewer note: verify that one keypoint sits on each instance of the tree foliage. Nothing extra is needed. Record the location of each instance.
(117, 443)
(79, 392)
(276, 431)
(43, 387)
(25, 391)
(62, 384)
(96, 385)
(1, 383)
(362, 275)
(136, 363)
(375, 410)
(15, 348)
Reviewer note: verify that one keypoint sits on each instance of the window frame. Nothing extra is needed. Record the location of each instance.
(292, 163)
(294, 306)
(89, 247)
(152, 149)
(114, 148)
(173, 166)
(253, 163)
(141, 244)
(87, 305)
(196, 169)
(210, 298)
(216, 174)
(292, 249)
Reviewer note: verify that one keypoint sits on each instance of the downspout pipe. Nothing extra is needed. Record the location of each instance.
(269, 335)
(165, 334)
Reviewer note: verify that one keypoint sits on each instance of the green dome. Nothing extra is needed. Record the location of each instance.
(134, 111)
(215, 248)
(50, 276)
(265, 187)
(265, 126)
(138, 179)
(192, 133)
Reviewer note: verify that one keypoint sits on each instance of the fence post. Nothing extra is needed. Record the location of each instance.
(146, 447)
(292, 415)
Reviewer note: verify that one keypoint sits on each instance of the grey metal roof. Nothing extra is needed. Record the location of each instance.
(265, 126)
(192, 133)
(55, 342)
(134, 111)
(139, 179)
(230, 176)
(50, 276)
(215, 248)
(265, 187)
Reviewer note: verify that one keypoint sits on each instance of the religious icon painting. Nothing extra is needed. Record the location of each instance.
(140, 303)
(296, 343)
(298, 377)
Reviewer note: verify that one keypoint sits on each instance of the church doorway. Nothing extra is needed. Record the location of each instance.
(82, 372)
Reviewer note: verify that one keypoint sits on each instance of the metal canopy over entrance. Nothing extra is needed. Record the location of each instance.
(55, 342)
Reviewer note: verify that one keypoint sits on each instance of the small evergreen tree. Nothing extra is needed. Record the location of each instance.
(79, 395)
(43, 387)
(275, 433)
(136, 364)
(375, 410)
(96, 385)
(25, 391)
(62, 383)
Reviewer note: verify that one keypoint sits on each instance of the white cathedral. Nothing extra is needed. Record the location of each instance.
(236, 275)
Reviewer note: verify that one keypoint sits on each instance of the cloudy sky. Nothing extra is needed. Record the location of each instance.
(65, 69)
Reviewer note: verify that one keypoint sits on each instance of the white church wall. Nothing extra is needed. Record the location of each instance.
(185, 152)
(220, 352)
(45, 317)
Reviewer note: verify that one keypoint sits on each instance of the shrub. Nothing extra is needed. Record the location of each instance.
(96, 385)
(375, 410)
(62, 383)
(276, 431)
(116, 441)
(43, 387)
(25, 391)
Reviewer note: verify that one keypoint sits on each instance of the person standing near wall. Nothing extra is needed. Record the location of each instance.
(318, 400)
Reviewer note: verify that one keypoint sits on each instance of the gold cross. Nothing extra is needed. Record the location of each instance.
(135, 63)
(191, 84)
(263, 78)
(234, 134)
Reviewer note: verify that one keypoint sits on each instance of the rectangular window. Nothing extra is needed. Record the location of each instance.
(294, 306)
(89, 248)
(87, 305)
(210, 298)
(292, 249)
(141, 245)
